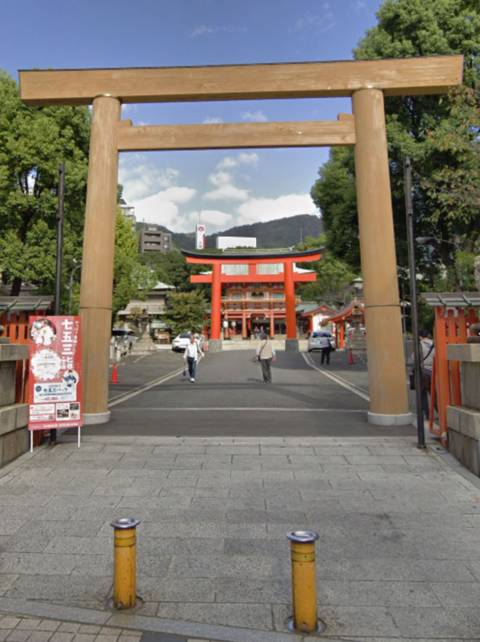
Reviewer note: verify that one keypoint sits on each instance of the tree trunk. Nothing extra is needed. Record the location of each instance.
(16, 286)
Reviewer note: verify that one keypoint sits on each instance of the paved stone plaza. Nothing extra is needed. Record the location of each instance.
(398, 554)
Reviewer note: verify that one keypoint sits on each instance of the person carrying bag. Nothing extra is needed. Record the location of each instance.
(265, 355)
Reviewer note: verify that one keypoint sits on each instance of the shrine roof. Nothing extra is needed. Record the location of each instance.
(452, 299)
(252, 253)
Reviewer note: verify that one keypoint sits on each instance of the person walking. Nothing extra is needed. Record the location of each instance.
(427, 349)
(192, 355)
(325, 347)
(265, 355)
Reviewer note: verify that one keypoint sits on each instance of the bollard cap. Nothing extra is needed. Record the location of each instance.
(302, 537)
(125, 522)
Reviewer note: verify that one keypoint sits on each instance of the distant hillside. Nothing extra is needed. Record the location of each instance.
(282, 232)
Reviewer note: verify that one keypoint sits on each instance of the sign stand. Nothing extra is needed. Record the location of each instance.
(55, 383)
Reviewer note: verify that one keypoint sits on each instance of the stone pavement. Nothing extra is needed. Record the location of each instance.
(398, 555)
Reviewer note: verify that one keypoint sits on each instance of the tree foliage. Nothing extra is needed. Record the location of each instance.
(170, 267)
(33, 143)
(131, 279)
(186, 311)
(439, 133)
(333, 275)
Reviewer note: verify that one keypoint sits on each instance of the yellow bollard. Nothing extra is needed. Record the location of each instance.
(304, 581)
(125, 563)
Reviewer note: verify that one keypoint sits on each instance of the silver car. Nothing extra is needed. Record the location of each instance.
(320, 339)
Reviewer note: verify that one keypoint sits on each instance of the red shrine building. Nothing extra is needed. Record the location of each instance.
(253, 290)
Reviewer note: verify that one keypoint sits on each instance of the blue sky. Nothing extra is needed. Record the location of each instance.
(224, 188)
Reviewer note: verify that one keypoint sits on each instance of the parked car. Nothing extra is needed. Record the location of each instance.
(319, 340)
(181, 341)
(123, 340)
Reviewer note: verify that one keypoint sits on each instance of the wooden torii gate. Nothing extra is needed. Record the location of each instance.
(366, 82)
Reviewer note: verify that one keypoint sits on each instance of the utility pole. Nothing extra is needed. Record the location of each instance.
(407, 176)
(59, 256)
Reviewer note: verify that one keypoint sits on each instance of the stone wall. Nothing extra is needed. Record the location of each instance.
(13, 416)
(464, 420)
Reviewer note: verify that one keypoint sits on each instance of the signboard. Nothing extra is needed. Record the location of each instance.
(200, 237)
(55, 383)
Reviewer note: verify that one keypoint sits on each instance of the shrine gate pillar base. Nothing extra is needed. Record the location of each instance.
(387, 379)
(215, 345)
(291, 345)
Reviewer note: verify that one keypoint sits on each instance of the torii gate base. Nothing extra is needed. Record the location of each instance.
(215, 345)
(366, 82)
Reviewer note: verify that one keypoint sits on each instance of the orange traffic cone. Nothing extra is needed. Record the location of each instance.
(114, 373)
(350, 358)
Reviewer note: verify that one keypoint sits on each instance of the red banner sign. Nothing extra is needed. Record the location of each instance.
(55, 381)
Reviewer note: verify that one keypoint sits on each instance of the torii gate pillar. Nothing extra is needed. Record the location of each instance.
(386, 360)
(98, 253)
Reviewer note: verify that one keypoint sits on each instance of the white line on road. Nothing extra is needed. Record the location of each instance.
(334, 377)
(242, 409)
(144, 388)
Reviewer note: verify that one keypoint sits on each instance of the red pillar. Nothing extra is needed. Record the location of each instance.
(216, 312)
(290, 300)
(244, 325)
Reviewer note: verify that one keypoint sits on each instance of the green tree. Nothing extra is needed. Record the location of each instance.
(33, 143)
(171, 268)
(131, 279)
(440, 133)
(186, 311)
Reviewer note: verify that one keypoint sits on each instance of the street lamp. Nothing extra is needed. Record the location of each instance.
(407, 173)
(76, 266)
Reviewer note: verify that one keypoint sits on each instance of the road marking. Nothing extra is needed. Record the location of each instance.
(144, 388)
(340, 380)
(242, 409)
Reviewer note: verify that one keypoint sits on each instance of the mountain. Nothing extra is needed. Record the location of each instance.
(282, 232)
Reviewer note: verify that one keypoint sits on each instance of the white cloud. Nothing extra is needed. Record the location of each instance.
(268, 209)
(227, 163)
(163, 207)
(213, 120)
(140, 179)
(242, 159)
(216, 218)
(317, 23)
(248, 158)
(254, 116)
(220, 178)
(205, 30)
(225, 189)
(227, 192)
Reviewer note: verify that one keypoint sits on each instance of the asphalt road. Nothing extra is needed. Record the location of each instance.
(230, 399)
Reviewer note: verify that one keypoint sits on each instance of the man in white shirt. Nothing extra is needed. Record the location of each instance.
(265, 355)
(192, 355)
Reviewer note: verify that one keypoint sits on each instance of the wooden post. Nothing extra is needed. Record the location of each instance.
(98, 254)
(291, 342)
(386, 359)
(216, 311)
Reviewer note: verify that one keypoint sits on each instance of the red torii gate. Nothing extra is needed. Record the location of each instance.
(288, 277)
